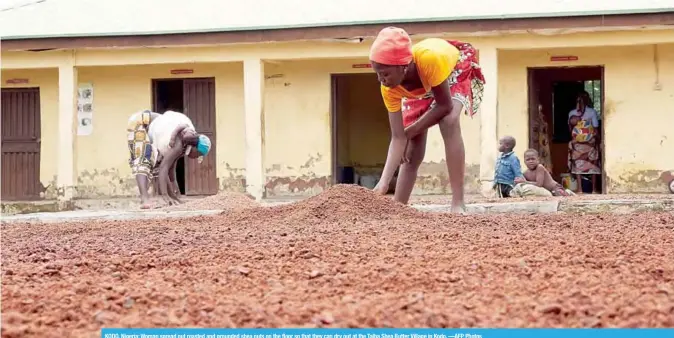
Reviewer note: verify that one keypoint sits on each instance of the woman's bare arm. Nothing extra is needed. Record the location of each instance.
(167, 164)
(443, 106)
(396, 149)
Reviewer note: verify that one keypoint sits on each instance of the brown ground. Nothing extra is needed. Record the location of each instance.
(582, 197)
(345, 258)
(221, 201)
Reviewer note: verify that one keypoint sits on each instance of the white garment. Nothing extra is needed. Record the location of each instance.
(163, 126)
(590, 115)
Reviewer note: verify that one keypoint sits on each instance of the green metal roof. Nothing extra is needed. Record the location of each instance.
(93, 18)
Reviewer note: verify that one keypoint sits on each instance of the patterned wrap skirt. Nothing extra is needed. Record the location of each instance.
(142, 156)
(466, 85)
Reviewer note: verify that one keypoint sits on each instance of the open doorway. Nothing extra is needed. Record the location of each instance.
(194, 97)
(360, 130)
(168, 95)
(553, 100)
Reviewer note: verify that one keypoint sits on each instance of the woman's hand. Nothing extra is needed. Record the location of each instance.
(381, 188)
(411, 131)
(169, 201)
(396, 151)
(177, 199)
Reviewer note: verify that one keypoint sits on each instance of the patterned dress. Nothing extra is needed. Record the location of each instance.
(142, 156)
(584, 149)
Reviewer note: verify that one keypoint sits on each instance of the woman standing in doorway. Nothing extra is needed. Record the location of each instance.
(423, 85)
(585, 144)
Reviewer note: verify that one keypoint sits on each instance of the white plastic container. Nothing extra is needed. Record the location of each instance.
(369, 181)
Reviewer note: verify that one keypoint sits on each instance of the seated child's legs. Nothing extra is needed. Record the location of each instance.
(560, 191)
(503, 190)
(529, 190)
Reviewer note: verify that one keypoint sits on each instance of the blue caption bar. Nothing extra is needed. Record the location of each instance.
(384, 333)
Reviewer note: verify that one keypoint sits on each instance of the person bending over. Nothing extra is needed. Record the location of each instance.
(424, 85)
(180, 146)
(174, 136)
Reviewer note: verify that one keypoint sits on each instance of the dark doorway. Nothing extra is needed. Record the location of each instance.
(21, 144)
(196, 99)
(168, 95)
(553, 92)
(564, 95)
(360, 130)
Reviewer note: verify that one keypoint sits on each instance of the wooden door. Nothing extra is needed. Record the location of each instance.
(199, 101)
(20, 144)
(156, 103)
(534, 85)
(334, 124)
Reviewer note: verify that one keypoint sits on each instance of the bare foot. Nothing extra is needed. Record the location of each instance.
(458, 209)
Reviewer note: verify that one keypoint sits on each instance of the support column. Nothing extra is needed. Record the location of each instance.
(66, 131)
(488, 118)
(253, 85)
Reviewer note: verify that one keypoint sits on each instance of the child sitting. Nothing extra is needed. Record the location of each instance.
(508, 167)
(537, 180)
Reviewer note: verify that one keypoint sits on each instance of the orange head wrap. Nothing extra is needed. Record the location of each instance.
(392, 47)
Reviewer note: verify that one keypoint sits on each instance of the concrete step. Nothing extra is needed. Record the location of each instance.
(530, 207)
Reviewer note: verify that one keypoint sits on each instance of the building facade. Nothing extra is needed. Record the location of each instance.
(293, 111)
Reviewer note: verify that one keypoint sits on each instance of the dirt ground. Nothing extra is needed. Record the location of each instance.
(221, 201)
(471, 199)
(345, 258)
